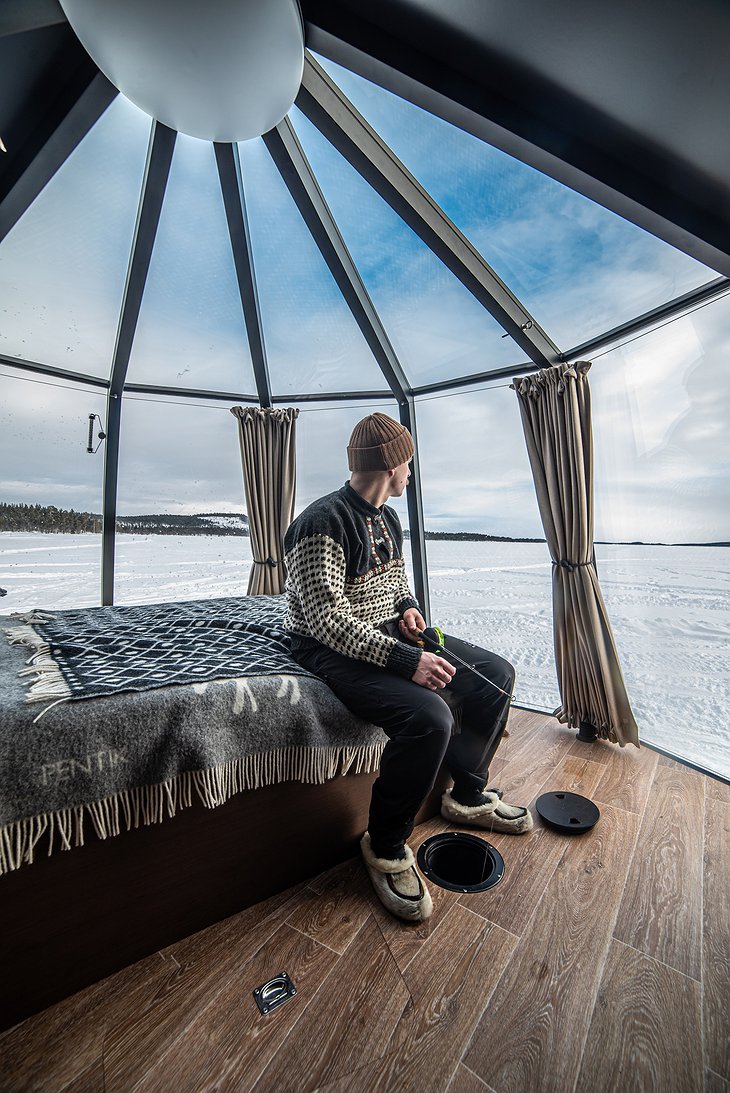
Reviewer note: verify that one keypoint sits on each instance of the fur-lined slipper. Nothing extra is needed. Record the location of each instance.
(494, 815)
(397, 884)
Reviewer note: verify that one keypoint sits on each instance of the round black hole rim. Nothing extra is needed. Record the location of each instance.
(435, 842)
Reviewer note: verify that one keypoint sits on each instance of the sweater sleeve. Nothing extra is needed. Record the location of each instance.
(404, 598)
(316, 572)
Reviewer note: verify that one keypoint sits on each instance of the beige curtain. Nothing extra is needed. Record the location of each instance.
(268, 455)
(555, 405)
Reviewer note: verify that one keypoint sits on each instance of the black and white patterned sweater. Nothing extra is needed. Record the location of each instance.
(346, 578)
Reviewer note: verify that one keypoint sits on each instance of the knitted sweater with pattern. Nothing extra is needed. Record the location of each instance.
(346, 578)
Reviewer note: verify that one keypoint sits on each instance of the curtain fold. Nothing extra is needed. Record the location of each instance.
(555, 406)
(268, 455)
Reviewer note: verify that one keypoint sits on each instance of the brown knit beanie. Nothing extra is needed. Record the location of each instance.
(378, 443)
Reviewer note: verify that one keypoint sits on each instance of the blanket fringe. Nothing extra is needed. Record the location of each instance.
(48, 683)
(34, 615)
(133, 808)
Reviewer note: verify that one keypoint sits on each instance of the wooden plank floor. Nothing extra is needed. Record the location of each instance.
(600, 963)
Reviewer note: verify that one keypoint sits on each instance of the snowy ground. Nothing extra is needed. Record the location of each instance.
(669, 608)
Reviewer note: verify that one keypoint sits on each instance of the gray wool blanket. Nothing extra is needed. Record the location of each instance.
(87, 751)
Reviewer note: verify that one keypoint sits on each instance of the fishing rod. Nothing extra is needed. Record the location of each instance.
(432, 639)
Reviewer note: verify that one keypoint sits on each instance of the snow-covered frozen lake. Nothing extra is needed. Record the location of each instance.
(669, 608)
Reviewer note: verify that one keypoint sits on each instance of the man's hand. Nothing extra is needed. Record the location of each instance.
(433, 672)
(412, 623)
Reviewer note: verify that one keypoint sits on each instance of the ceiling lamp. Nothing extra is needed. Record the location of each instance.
(222, 70)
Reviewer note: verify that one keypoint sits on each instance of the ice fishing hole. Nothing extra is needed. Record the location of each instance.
(460, 862)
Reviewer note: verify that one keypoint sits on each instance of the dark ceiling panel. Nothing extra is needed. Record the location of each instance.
(17, 16)
(57, 96)
(27, 62)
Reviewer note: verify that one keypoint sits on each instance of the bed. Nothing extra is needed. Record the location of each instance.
(173, 766)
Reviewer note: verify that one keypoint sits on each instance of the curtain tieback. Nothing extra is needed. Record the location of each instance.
(570, 566)
(269, 561)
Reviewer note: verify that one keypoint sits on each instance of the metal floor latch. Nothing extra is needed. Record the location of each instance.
(274, 992)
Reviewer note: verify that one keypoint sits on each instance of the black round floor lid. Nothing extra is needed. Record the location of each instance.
(567, 812)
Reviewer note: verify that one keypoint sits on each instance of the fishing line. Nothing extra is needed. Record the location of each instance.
(432, 639)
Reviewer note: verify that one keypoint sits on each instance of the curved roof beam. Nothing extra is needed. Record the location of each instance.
(345, 128)
(234, 201)
(157, 170)
(294, 168)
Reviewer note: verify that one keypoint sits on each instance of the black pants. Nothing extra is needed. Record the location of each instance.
(464, 722)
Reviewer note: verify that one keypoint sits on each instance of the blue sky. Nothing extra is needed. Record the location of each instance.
(579, 269)
(660, 402)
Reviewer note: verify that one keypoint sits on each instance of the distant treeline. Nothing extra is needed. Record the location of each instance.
(194, 524)
(477, 537)
(49, 519)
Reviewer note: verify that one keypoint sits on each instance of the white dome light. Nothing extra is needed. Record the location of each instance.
(223, 70)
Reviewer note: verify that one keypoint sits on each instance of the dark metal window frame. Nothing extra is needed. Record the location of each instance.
(234, 201)
(339, 121)
(154, 185)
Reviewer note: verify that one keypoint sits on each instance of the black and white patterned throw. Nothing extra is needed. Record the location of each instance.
(107, 650)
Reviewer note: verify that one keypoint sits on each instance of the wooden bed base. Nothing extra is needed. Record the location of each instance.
(76, 917)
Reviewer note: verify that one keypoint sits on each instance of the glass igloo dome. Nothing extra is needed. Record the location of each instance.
(366, 254)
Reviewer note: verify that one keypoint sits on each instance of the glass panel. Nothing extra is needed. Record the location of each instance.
(162, 473)
(660, 412)
(312, 341)
(191, 331)
(578, 268)
(436, 326)
(476, 480)
(44, 428)
(323, 433)
(64, 264)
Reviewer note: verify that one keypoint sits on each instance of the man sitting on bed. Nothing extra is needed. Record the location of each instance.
(354, 622)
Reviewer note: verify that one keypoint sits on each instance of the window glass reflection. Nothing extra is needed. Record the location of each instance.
(191, 331)
(476, 481)
(313, 343)
(44, 429)
(177, 461)
(660, 412)
(64, 264)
